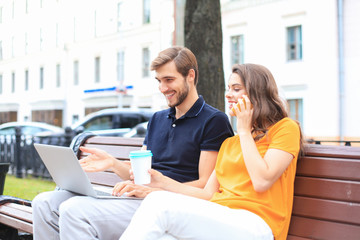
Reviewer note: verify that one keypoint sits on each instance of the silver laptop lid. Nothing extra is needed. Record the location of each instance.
(65, 169)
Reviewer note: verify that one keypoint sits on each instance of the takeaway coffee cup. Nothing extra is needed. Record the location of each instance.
(140, 164)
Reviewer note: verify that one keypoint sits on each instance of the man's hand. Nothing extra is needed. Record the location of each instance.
(97, 161)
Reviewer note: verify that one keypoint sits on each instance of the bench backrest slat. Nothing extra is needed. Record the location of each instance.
(309, 228)
(337, 211)
(339, 190)
(326, 167)
(116, 146)
(333, 151)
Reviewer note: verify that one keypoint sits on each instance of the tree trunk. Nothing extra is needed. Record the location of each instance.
(203, 36)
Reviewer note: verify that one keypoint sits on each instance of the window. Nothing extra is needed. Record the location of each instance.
(97, 69)
(57, 35)
(75, 118)
(13, 82)
(41, 41)
(99, 123)
(41, 77)
(58, 76)
(76, 73)
(13, 10)
(1, 83)
(296, 110)
(146, 11)
(129, 120)
(120, 66)
(26, 80)
(26, 6)
(12, 46)
(1, 52)
(145, 62)
(294, 43)
(26, 43)
(237, 49)
(74, 33)
(119, 23)
(95, 23)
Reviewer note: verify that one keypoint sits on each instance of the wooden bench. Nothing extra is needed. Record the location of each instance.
(327, 190)
(327, 194)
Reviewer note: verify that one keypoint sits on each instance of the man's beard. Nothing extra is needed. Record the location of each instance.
(183, 93)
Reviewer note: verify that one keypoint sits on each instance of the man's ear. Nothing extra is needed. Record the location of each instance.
(191, 75)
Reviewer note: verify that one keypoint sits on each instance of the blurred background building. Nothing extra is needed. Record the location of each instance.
(62, 59)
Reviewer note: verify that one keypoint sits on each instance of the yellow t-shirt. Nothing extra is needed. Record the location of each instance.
(236, 190)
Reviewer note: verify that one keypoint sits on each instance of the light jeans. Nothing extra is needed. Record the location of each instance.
(165, 215)
(64, 215)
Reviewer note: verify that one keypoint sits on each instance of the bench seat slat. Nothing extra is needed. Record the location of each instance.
(327, 210)
(318, 229)
(328, 189)
(16, 210)
(16, 223)
(336, 168)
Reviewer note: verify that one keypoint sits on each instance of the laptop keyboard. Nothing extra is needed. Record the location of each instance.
(102, 193)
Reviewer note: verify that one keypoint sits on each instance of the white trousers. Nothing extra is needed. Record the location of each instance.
(165, 215)
(64, 215)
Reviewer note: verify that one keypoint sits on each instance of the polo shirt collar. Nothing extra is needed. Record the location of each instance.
(193, 111)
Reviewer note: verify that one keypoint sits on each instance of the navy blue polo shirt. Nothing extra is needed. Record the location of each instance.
(176, 143)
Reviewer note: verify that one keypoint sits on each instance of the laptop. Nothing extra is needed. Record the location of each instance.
(65, 169)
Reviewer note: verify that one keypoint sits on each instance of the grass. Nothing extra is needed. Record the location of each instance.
(26, 188)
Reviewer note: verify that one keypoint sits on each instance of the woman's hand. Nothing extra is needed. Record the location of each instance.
(129, 188)
(157, 178)
(244, 112)
(97, 161)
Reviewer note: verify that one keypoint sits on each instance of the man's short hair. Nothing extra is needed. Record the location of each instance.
(183, 58)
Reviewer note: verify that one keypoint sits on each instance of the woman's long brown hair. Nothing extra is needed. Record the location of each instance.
(262, 91)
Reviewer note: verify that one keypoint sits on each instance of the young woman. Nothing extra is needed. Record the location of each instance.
(251, 188)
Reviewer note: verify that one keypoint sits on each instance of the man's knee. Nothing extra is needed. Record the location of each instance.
(72, 206)
(40, 200)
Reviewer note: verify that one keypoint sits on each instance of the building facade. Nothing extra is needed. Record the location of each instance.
(313, 50)
(62, 59)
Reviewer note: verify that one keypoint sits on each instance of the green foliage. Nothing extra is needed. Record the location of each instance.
(26, 188)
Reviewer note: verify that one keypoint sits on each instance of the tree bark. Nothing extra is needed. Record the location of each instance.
(203, 36)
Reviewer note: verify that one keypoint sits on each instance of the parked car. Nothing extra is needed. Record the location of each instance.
(137, 131)
(107, 122)
(28, 128)
(113, 121)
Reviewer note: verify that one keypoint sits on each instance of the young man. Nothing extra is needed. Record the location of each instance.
(184, 140)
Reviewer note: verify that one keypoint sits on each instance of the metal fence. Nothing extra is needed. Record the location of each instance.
(19, 151)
